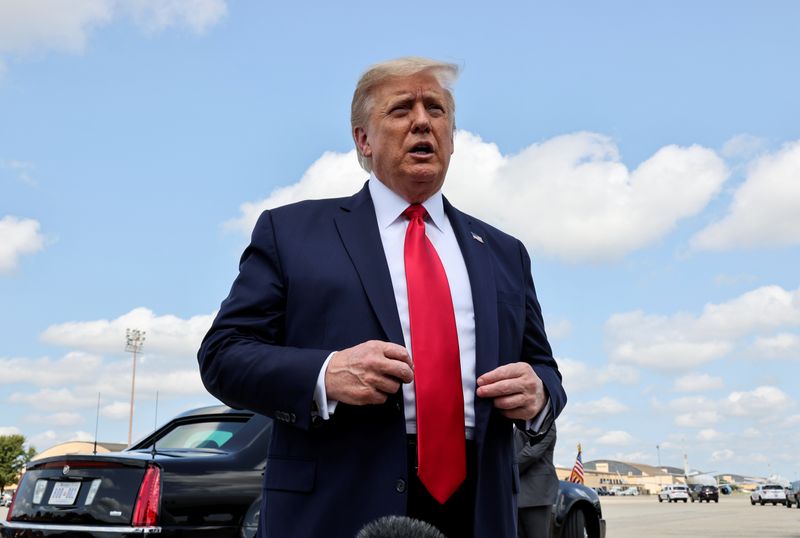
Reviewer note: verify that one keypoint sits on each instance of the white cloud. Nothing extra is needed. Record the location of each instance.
(703, 412)
(722, 455)
(18, 237)
(330, 176)
(697, 419)
(73, 368)
(783, 345)
(23, 170)
(44, 440)
(743, 146)
(82, 436)
(199, 15)
(167, 335)
(709, 434)
(558, 329)
(684, 341)
(116, 410)
(724, 279)
(9, 430)
(65, 25)
(174, 383)
(697, 383)
(52, 400)
(690, 403)
(765, 210)
(579, 376)
(616, 438)
(751, 433)
(760, 401)
(29, 25)
(569, 197)
(64, 418)
(602, 407)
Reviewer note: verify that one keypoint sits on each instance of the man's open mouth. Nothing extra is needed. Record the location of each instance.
(423, 148)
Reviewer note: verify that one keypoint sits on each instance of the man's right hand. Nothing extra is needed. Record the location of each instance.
(368, 373)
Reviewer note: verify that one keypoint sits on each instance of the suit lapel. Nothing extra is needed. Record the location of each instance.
(477, 257)
(358, 229)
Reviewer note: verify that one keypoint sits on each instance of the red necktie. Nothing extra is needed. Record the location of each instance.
(437, 369)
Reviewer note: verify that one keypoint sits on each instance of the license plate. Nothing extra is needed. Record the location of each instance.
(64, 493)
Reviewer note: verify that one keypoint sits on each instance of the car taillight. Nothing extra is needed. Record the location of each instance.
(148, 502)
(14, 498)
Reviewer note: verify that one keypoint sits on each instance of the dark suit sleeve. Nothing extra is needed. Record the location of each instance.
(536, 349)
(530, 454)
(243, 359)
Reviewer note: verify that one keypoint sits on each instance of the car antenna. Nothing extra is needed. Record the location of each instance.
(96, 424)
(153, 451)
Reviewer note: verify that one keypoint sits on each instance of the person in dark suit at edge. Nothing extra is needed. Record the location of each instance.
(393, 338)
(538, 484)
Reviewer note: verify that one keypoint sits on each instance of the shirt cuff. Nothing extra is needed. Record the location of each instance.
(325, 407)
(535, 424)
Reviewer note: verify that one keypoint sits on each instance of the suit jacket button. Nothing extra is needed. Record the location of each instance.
(400, 485)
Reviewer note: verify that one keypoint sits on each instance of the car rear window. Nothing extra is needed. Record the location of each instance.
(199, 435)
(773, 487)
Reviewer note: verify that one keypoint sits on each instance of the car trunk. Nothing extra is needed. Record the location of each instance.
(91, 490)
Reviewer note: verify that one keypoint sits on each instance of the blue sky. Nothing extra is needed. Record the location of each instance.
(647, 153)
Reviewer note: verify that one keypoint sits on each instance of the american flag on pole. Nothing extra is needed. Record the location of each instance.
(577, 470)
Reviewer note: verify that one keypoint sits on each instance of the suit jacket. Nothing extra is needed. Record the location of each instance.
(538, 482)
(314, 279)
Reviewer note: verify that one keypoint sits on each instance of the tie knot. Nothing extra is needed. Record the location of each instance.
(415, 210)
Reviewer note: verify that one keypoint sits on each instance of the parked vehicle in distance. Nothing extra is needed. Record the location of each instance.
(674, 493)
(768, 493)
(630, 491)
(701, 493)
(793, 495)
(200, 475)
(602, 491)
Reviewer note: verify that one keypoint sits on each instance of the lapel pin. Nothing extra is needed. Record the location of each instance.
(476, 237)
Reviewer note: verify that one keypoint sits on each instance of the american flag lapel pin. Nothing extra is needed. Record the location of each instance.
(476, 237)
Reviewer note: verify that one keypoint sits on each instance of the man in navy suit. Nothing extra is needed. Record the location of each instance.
(322, 332)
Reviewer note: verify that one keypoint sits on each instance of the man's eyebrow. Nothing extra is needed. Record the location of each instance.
(402, 97)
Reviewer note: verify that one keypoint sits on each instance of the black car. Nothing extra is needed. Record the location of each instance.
(199, 475)
(793, 495)
(577, 513)
(702, 493)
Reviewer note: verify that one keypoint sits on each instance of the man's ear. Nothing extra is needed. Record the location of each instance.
(360, 136)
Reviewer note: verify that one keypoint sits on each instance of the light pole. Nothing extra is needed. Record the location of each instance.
(658, 451)
(134, 341)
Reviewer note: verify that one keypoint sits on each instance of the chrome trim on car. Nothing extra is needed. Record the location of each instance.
(24, 525)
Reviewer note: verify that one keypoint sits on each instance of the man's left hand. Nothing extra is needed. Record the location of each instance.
(516, 389)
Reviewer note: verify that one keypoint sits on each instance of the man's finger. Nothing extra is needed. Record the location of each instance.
(503, 387)
(398, 353)
(506, 371)
(397, 370)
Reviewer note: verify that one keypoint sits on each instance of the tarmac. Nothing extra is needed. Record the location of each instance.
(644, 516)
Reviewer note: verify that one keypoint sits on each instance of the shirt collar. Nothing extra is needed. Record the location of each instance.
(389, 205)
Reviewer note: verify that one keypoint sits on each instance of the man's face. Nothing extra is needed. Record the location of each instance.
(409, 135)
